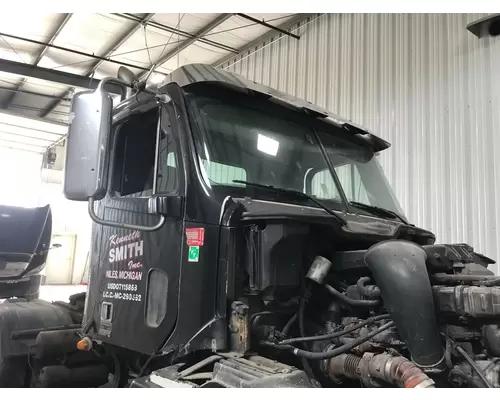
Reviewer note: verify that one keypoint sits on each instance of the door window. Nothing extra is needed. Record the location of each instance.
(135, 151)
(133, 165)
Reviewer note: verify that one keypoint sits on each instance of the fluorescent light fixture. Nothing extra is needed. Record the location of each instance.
(267, 145)
(27, 133)
(30, 126)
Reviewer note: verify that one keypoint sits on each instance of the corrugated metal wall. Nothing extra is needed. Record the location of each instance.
(424, 83)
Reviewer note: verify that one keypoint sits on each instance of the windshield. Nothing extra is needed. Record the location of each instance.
(271, 147)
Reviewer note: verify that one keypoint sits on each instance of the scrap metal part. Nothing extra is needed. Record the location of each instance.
(250, 372)
(398, 371)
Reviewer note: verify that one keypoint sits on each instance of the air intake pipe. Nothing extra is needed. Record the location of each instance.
(400, 272)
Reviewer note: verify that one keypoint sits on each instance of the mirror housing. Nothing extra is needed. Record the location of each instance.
(88, 148)
(87, 145)
(130, 78)
(127, 75)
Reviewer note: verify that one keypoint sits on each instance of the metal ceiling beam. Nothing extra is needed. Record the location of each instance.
(188, 42)
(27, 128)
(286, 26)
(121, 41)
(17, 135)
(263, 23)
(38, 110)
(52, 75)
(22, 149)
(59, 28)
(20, 143)
(30, 93)
(78, 52)
(96, 65)
(179, 32)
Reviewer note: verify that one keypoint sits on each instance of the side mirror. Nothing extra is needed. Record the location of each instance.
(87, 146)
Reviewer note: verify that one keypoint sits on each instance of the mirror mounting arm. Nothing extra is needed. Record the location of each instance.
(117, 81)
(143, 228)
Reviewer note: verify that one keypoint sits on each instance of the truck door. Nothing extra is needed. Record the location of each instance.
(134, 277)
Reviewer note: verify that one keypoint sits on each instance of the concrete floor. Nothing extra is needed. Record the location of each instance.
(60, 292)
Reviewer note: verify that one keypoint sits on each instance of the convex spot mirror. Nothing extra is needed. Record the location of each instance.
(127, 75)
(87, 146)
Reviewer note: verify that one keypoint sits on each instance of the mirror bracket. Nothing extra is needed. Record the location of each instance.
(143, 228)
(158, 205)
(165, 205)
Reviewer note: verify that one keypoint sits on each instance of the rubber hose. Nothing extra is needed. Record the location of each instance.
(305, 364)
(332, 353)
(334, 335)
(289, 324)
(369, 290)
(349, 301)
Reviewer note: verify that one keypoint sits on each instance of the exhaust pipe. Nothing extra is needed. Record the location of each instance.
(399, 270)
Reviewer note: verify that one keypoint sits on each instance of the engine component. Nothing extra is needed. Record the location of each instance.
(251, 372)
(456, 257)
(397, 371)
(323, 355)
(274, 256)
(401, 275)
(474, 280)
(239, 328)
(334, 335)
(468, 301)
(463, 375)
(491, 339)
(350, 301)
(258, 372)
(472, 364)
(387, 339)
(319, 270)
(367, 290)
(317, 273)
(440, 258)
(92, 375)
(490, 370)
(462, 333)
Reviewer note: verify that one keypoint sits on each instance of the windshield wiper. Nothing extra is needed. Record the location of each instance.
(295, 193)
(378, 210)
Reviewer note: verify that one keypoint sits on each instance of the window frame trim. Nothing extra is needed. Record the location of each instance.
(145, 194)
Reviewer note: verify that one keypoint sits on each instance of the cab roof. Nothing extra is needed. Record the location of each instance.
(193, 74)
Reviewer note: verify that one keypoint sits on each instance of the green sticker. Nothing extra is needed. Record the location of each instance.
(194, 253)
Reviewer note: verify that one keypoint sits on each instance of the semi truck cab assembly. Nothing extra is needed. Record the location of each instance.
(244, 238)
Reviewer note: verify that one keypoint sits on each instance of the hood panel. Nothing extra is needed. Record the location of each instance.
(24, 239)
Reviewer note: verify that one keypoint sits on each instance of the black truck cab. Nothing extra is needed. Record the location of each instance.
(162, 262)
(244, 238)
